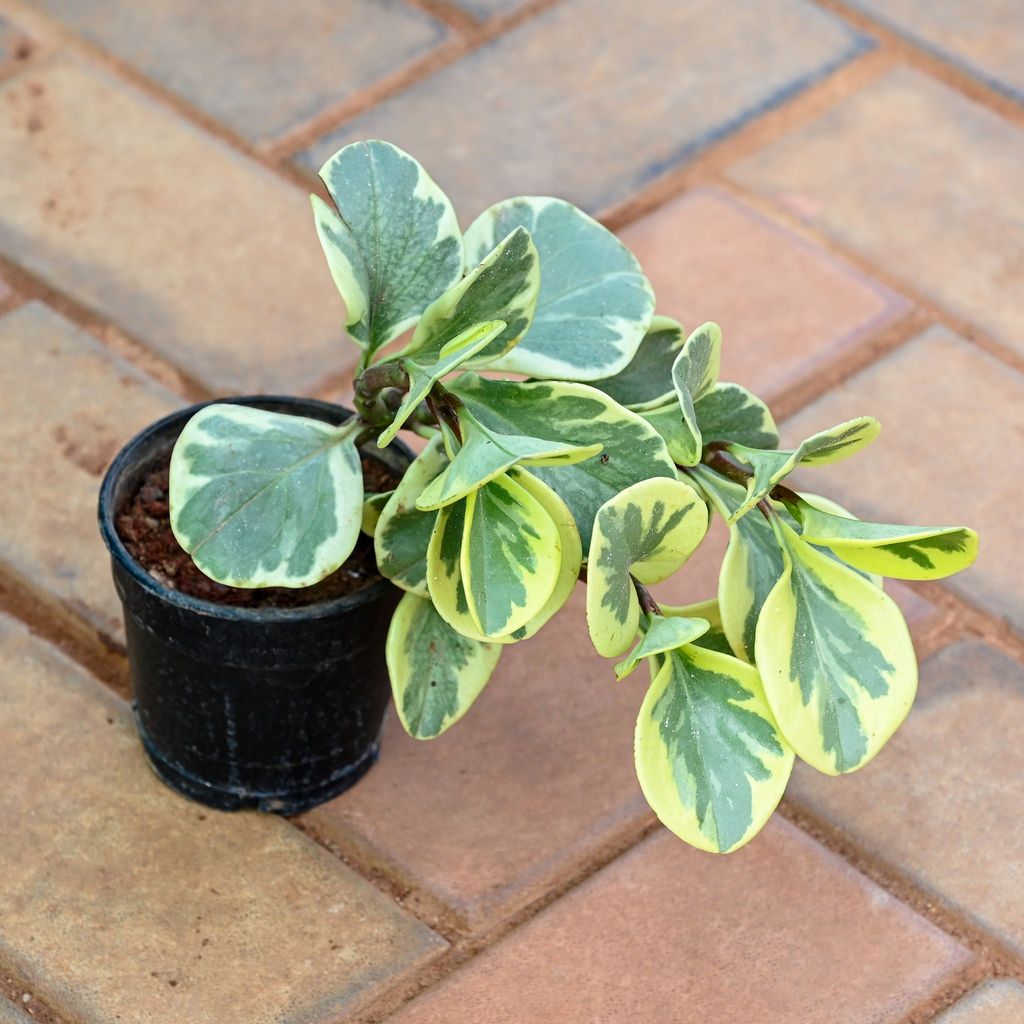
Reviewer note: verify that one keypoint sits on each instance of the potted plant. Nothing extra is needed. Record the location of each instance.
(570, 434)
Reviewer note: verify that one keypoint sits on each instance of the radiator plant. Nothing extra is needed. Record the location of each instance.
(603, 464)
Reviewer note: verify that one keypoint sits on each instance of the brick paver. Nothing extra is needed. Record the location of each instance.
(68, 406)
(148, 907)
(264, 70)
(781, 931)
(959, 772)
(932, 397)
(788, 309)
(590, 101)
(536, 779)
(985, 39)
(921, 180)
(139, 196)
(207, 257)
(996, 1002)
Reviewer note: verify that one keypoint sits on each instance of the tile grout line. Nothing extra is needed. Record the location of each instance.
(920, 56)
(29, 287)
(1001, 959)
(937, 313)
(284, 148)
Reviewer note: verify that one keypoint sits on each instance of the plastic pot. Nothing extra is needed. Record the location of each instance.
(274, 708)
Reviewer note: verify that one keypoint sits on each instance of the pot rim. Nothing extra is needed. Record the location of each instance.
(129, 455)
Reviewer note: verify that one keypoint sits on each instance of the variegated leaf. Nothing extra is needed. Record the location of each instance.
(436, 673)
(373, 505)
(713, 638)
(647, 380)
(486, 454)
(661, 634)
(835, 657)
(752, 564)
(709, 756)
(645, 532)
(503, 287)
(729, 412)
(444, 573)
(511, 556)
(403, 531)
(569, 539)
(396, 245)
(770, 467)
(902, 552)
(631, 449)
(684, 446)
(694, 374)
(595, 303)
(424, 375)
(260, 499)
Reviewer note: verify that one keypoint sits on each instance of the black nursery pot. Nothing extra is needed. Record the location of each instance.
(273, 708)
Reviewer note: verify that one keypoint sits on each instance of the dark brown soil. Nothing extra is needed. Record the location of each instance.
(143, 524)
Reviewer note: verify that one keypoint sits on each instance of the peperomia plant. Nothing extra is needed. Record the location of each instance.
(604, 465)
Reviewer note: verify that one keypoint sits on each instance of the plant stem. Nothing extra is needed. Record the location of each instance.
(444, 407)
(647, 603)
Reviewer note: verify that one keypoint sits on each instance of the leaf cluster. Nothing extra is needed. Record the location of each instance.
(570, 433)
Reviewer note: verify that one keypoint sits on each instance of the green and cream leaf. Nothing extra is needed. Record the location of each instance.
(423, 375)
(751, 567)
(713, 638)
(646, 532)
(729, 412)
(511, 556)
(445, 584)
(436, 673)
(901, 552)
(835, 657)
(572, 549)
(503, 287)
(771, 467)
(709, 756)
(631, 450)
(373, 505)
(393, 245)
(662, 634)
(403, 531)
(595, 303)
(261, 499)
(486, 454)
(647, 380)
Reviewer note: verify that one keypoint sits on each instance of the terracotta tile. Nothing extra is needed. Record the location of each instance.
(123, 901)
(986, 39)
(203, 255)
(264, 71)
(919, 179)
(931, 396)
(781, 931)
(524, 790)
(940, 802)
(57, 445)
(787, 308)
(995, 1002)
(589, 101)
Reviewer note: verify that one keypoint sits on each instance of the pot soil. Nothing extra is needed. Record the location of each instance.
(271, 699)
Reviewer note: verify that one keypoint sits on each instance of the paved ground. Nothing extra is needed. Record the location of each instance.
(837, 183)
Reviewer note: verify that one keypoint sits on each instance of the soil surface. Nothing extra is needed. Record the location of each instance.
(144, 525)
